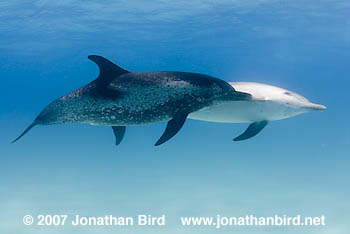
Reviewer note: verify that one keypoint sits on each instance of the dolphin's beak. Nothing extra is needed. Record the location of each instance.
(316, 107)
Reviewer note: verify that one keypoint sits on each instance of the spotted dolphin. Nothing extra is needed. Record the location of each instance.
(120, 98)
(268, 103)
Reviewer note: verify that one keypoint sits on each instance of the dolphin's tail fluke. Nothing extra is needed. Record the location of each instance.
(25, 131)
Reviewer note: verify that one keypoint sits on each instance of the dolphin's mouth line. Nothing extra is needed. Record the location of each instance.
(25, 131)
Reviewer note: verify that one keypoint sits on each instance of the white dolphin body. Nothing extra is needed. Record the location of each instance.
(268, 103)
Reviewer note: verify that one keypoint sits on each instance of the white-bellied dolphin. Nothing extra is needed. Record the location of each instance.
(268, 103)
(119, 98)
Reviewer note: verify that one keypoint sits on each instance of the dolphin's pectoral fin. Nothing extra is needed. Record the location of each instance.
(243, 96)
(108, 70)
(173, 127)
(119, 132)
(252, 130)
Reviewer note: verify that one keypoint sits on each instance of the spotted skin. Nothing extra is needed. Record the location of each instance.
(138, 98)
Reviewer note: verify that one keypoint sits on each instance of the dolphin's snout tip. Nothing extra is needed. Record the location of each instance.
(318, 107)
(322, 107)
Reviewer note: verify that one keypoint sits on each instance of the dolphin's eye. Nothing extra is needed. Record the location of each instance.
(297, 96)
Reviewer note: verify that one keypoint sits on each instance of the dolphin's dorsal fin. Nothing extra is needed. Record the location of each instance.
(108, 70)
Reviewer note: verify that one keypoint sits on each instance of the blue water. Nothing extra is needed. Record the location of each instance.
(294, 166)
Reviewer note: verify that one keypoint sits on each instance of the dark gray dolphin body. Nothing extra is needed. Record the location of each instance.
(119, 98)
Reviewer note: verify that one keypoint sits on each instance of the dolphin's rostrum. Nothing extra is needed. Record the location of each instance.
(119, 98)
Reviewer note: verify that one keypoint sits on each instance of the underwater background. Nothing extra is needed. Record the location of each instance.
(294, 166)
